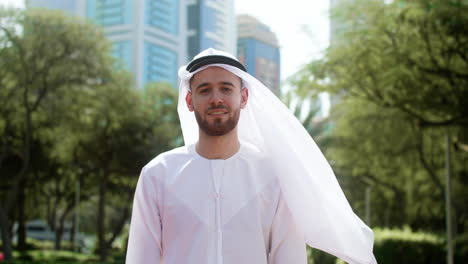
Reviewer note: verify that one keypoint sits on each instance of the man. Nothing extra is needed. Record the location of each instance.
(250, 186)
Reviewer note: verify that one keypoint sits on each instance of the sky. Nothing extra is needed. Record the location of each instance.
(301, 26)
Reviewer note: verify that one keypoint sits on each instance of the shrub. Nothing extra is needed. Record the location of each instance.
(406, 246)
(460, 244)
(315, 256)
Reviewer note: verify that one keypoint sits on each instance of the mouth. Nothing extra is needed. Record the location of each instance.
(218, 112)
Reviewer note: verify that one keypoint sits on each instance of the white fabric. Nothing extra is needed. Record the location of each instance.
(189, 209)
(310, 189)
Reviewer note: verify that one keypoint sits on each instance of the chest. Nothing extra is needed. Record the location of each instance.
(221, 194)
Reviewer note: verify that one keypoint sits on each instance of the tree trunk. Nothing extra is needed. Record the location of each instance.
(3, 148)
(6, 236)
(121, 223)
(13, 194)
(58, 237)
(21, 218)
(102, 216)
(61, 226)
(73, 232)
(400, 206)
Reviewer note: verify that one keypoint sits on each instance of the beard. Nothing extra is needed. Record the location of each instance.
(218, 127)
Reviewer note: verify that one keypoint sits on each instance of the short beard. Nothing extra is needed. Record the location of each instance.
(218, 128)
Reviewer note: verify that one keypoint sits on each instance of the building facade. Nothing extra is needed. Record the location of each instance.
(211, 24)
(258, 50)
(148, 36)
(336, 27)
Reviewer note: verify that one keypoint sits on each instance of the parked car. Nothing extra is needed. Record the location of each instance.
(40, 230)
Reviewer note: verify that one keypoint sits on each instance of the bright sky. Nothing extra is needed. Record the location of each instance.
(301, 26)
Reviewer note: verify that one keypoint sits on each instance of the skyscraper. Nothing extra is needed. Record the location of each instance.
(211, 24)
(70, 6)
(336, 27)
(258, 50)
(149, 36)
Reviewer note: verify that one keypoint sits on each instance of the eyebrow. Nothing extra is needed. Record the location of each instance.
(202, 85)
(207, 84)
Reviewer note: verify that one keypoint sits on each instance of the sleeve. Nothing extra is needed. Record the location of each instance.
(144, 244)
(287, 244)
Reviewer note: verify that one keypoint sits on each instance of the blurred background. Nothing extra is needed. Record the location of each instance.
(88, 95)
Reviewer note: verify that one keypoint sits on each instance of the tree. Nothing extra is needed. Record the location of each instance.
(307, 112)
(400, 71)
(43, 53)
(407, 55)
(119, 131)
(403, 164)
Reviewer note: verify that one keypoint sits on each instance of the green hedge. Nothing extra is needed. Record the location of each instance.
(315, 256)
(407, 246)
(390, 246)
(404, 246)
(40, 256)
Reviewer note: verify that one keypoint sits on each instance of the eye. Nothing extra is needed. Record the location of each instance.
(227, 89)
(203, 91)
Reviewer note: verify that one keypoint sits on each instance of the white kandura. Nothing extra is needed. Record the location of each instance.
(189, 209)
(301, 179)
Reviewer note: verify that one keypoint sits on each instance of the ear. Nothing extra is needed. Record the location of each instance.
(244, 97)
(188, 101)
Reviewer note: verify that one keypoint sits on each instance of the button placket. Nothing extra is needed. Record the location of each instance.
(217, 173)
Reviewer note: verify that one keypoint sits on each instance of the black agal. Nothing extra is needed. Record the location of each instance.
(213, 59)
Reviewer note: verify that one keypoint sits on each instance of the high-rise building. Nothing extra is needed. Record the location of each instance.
(149, 36)
(258, 50)
(336, 27)
(211, 24)
(70, 6)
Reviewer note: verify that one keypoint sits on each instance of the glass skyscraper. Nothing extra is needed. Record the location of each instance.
(149, 36)
(211, 24)
(258, 50)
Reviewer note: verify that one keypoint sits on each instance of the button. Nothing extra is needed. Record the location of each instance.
(216, 195)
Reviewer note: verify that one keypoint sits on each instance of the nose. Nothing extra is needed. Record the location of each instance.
(216, 97)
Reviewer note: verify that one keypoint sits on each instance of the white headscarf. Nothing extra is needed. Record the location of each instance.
(312, 193)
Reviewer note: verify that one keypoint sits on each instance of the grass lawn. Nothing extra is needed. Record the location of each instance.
(39, 256)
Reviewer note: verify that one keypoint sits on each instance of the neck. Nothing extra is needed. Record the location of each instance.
(220, 147)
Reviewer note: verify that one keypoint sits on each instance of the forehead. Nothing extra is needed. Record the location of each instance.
(214, 75)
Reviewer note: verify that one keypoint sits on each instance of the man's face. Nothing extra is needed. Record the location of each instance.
(216, 97)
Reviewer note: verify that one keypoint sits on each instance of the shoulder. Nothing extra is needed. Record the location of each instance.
(167, 161)
(170, 157)
(256, 157)
(253, 154)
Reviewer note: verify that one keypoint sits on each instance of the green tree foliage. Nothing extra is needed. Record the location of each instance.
(307, 112)
(403, 163)
(69, 115)
(409, 55)
(400, 71)
(121, 132)
(43, 53)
